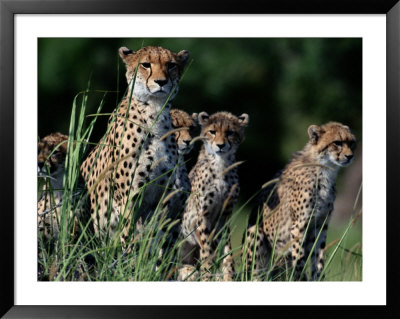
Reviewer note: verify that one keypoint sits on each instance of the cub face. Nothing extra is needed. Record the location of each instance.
(222, 131)
(158, 71)
(181, 119)
(334, 142)
(53, 160)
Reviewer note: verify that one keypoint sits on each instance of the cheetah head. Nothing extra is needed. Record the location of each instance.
(183, 137)
(158, 72)
(333, 143)
(52, 151)
(222, 132)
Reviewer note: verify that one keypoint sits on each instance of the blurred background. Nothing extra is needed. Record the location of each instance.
(284, 85)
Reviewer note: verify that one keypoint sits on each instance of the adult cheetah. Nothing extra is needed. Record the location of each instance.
(129, 170)
(214, 190)
(297, 209)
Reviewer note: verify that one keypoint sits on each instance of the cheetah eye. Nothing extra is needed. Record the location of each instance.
(171, 65)
(229, 133)
(212, 132)
(352, 145)
(338, 143)
(146, 65)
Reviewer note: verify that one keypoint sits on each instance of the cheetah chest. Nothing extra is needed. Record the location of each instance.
(148, 158)
(217, 190)
(182, 180)
(325, 193)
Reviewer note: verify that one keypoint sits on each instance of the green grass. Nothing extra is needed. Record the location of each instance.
(78, 254)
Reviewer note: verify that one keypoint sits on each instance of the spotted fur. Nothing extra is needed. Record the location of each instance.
(134, 157)
(52, 151)
(214, 190)
(185, 126)
(303, 198)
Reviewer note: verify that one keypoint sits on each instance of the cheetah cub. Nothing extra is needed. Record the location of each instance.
(297, 211)
(52, 151)
(185, 126)
(184, 130)
(133, 152)
(214, 191)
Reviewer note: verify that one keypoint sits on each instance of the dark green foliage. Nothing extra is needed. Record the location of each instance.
(283, 84)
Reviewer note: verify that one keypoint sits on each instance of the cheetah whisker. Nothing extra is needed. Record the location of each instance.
(226, 170)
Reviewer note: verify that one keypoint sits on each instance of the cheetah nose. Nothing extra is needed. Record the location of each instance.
(40, 164)
(221, 146)
(161, 82)
(349, 157)
(186, 142)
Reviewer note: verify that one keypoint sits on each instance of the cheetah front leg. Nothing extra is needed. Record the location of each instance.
(105, 212)
(204, 240)
(317, 262)
(227, 263)
(297, 251)
(255, 245)
(188, 271)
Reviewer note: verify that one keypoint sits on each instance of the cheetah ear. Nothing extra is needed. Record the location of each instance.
(125, 53)
(314, 132)
(203, 118)
(243, 119)
(195, 117)
(183, 57)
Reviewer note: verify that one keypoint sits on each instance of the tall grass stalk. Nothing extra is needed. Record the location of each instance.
(78, 254)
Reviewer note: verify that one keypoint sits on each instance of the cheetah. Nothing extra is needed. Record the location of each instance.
(297, 208)
(184, 129)
(214, 191)
(185, 126)
(133, 163)
(52, 151)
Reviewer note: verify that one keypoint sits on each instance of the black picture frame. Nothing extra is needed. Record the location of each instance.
(8, 10)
